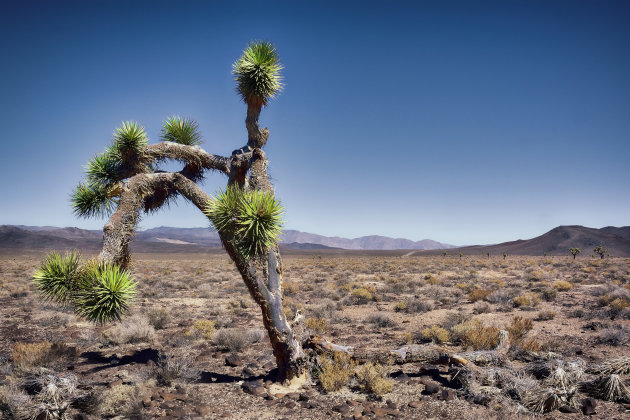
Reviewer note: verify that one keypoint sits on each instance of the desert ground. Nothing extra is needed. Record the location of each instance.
(193, 345)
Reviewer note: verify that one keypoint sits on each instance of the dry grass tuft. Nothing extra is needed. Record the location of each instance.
(319, 325)
(372, 379)
(608, 387)
(335, 372)
(436, 334)
(475, 334)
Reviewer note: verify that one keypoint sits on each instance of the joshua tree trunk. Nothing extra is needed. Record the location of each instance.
(261, 274)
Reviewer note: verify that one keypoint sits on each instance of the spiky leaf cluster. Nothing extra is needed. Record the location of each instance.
(182, 131)
(57, 277)
(257, 73)
(105, 292)
(251, 219)
(99, 292)
(92, 199)
(129, 140)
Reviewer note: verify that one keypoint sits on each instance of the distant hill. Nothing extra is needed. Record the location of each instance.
(364, 242)
(180, 239)
(168, 239)
(558, 241)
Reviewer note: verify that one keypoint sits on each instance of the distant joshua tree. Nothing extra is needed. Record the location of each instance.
(505, 255)
(488, 254)
(574, 252)
(461, 255)
(126, 180)
(601, 251)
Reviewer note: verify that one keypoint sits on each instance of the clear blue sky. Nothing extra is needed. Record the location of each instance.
(464, 122)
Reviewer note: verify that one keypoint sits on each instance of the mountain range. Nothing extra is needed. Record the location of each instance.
(169, 239)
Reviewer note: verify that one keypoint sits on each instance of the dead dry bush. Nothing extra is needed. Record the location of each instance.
(133, 330)
(476, 335)
(372, 378)
(335, 372)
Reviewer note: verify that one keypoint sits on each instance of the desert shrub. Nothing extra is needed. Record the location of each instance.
(465, 287)
(290, 288)
(205, 327)
(372, 378)
(362, 295)
(475, 334)
(501, 297)
(121, 400)
(232, 339)
(562, 285)
(400, 306)
(453, 318)
(549, 294)
(614, 337)
(527, 300)
(536, 275)
(319, 325)
(47, 396)
(576, 313)
(381, 321)
(432, 280)
(435, 334)
(26, 355)
(418, 306)
(135, 329)
(159, 318)
(335, 372)
(406, 338)
(175, 364)
(619, 304)
(531, 344)
(518, 328)
(545, 316)
(478, 294)
(481, 308)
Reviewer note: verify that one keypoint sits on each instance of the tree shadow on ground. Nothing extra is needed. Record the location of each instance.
(139, 357)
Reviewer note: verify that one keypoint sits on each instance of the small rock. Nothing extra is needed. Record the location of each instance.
(169, 396)
(447, 394)
(233, 360)
(568, 409)
(290, 404)
(482, 399)
(431, 388)
(341, 408)
(380, 411)
(254, 388)
(248, 372)
(115, 383)
(293, 396)
(588, 406)
(203, 410)
(415, 404)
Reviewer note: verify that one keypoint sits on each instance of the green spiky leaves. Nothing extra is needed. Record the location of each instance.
(129, 140)
(91, 199)
(98, 291)
(182, 131)
(104, 168)
(56, 278)
(257, 73)
(252, 220)
(105, 292)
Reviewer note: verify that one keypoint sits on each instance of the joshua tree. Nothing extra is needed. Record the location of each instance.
(574, 252)
(601, 251)
(125, 181)
(505, 255)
